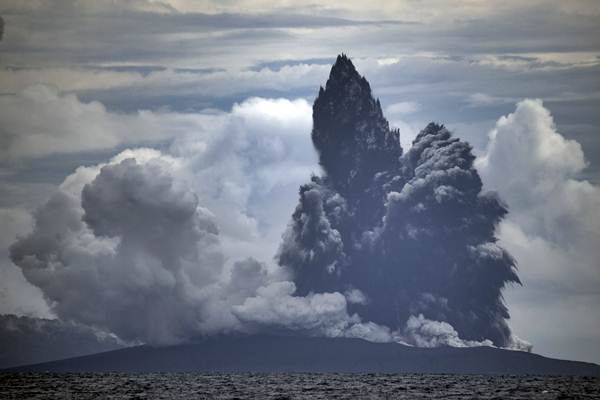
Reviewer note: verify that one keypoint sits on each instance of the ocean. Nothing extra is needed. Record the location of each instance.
(293, 386)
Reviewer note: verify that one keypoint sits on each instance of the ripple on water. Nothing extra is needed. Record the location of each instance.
(293, 386)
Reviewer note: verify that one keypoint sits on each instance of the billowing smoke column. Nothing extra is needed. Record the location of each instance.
(408, 237)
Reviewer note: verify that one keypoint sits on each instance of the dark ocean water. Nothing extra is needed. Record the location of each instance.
(294, 386)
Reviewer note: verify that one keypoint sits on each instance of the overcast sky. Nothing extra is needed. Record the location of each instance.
(219, 94)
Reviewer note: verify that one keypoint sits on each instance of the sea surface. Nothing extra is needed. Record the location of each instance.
(294, 386)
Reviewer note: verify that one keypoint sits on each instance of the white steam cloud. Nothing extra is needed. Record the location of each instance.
(126, 247)
(553, 227)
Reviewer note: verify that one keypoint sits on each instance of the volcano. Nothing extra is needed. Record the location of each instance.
(304, 354)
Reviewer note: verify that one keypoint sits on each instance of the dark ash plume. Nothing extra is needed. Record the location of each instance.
(350, 134)
(413, 232)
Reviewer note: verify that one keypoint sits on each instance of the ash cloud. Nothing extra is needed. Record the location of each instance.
(413, 232)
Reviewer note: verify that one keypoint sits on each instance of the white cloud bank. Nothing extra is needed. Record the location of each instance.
(40, 121)
(552, 229)
(535, 170)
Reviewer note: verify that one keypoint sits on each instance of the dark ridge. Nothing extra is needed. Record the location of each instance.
(25, 340)
(304, 354)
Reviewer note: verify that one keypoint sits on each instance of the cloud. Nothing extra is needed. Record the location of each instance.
(243, 165)
(316, 314)
(553, 227)
(397, 114)
(99, 7)
(141, 232)
(237, 160)
(355, 296)
(16, 80)
(430, 11)
(136, 224)
(142, 86)
(40, 121)
(140, 221)
(404, 107)
(172, 36)
(17, 296)
(311, 238)
(483, 100)
(538, 178)
(422, 332)
(296, 312)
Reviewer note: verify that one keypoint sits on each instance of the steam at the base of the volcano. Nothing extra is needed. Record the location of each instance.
(412, 232)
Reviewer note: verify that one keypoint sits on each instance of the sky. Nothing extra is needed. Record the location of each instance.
(210, 101)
